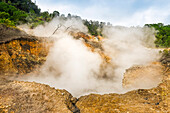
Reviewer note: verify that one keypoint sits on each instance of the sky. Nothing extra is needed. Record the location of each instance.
(117, 12)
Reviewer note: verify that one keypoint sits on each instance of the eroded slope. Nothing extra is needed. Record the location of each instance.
(26, 97)
(20, 55)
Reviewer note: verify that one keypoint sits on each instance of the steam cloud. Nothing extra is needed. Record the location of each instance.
(72, 66)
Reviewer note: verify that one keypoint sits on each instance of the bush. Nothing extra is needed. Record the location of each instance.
(4, 15)
(7, 22)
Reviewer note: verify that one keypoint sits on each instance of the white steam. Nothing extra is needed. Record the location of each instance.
(72, 66)
(72, 63)
(128, 47)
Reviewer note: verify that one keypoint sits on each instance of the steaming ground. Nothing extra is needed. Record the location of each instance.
(72, 66)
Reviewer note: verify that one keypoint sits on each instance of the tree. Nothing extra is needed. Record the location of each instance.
(163, 34)
(25, 5)
(45, 15)
(69, 16)
(12, 13)
(55, 14)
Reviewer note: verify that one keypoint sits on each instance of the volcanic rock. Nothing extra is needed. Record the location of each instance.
(26, 97)
(20, 53)
(141, 100)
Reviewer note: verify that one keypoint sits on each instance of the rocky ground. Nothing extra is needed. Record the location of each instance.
(142, 100)
(150, 75)
(21, 53)
(27, 97)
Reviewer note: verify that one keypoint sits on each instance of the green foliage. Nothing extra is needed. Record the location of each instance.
(56, 13)
(163, 34)
(12, 13)
(35, 20)
(165, 52)
(46, 16)
(4, 15)
(35, 24)
(94, 27)
(7, 22)
(24, 5)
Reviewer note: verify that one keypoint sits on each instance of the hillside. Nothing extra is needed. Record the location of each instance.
(22, 53)
(52, 63)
